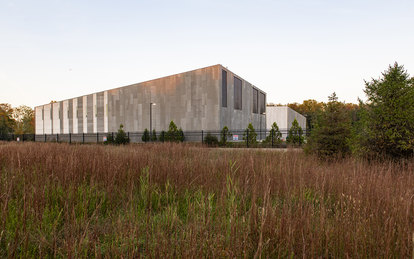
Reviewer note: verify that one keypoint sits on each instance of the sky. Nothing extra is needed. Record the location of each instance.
(293, 50)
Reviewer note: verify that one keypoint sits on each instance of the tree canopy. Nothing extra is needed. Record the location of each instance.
(386, 126)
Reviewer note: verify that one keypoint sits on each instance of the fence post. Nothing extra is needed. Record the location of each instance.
(12, 136)
(163, 136)
(70, 138)
(23, 137)
(128, 137)
(247, 138)
(97, 137)
(272, 137)
(202, 137)
(113, 136)
(83, 138)
(34, 137)
(45, 137)
(57, 138)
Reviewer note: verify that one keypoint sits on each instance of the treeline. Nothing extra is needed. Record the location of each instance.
(18, 120)
(380, 127)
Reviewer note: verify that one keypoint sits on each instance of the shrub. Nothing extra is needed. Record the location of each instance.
(295, 135)
(162, 136)
(224, 135)
(211, 140)
(145, 137)
(109, 139)
(154, 135)
(121, 137)
(250, 134)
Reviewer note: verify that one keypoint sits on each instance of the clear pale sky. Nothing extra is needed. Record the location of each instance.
(293, 50)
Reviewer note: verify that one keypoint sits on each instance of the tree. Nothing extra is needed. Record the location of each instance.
(145, 137)
(332, 131)
(121, 137)
(274, 135)
(224, 135)
(6, 120)
(295, 135)
(24, 120)
(154, 135)
(174, 134)
(250, 134)
(386, 125)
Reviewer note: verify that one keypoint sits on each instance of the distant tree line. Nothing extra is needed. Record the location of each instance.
(18, 120)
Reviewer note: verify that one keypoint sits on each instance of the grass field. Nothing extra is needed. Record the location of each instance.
(176, 200)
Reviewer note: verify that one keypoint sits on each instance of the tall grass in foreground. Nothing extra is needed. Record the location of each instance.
(173, 200)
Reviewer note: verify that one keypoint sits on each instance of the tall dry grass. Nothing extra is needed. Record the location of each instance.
(174, 200)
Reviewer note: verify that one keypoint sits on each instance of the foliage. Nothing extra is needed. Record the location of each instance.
(162, 136)
(386, 126)
(121, 137)
(109, 138)
(211, 140)
(174, 134)
(330, 136)
(24, 120)
(295, 135)
(6, 120)
(145, 137)
(250, 134)
(224, 135)
(275, 136)
(154, 135)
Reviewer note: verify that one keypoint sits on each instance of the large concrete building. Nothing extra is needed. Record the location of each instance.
(203, 99)
(283, 116)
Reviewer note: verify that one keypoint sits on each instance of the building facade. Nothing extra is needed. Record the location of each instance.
(283, 116)
(203, 99)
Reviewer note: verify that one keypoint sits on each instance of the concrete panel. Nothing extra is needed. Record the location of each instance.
(56, 118)
(75, 120)
(39, 120)
(106, 111)
(90, 113)
(85, 114)
(47, 119)
(79, 114)
(100, 107)
(65, 117)
(95, 114)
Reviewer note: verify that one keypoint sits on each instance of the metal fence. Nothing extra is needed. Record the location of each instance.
(236, 138)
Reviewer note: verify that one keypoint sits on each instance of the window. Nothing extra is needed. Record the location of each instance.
(255, 100)
(224, 88)
(262, 103)
(237, 94)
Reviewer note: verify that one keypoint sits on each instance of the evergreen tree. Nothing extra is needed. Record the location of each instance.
(121, 137)
(386, 125)
(274, 135)
(295, 135)
(250, 134)
(224, 134)
(332, 130)
(154, 135)
(145, 137)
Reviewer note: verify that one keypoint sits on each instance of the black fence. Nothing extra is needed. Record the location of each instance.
(236, 138)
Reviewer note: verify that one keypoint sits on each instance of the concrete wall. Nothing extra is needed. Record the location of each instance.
(283, 116)
(240, 119)
(191, 99)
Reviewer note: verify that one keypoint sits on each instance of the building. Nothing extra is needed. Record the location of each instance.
(283, 116)
(203, 99)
